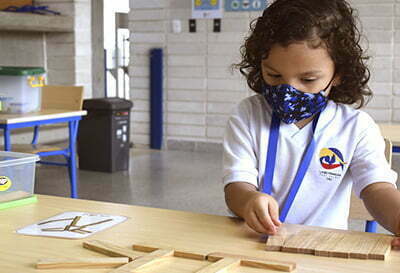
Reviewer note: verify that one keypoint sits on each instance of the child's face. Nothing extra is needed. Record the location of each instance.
(307, 69)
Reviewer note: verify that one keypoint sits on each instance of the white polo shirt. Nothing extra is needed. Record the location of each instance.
(349, 153)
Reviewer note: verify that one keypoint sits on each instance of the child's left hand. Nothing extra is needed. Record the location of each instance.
(396, 243)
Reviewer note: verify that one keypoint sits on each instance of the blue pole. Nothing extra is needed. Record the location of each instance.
(156, 98)
(371, 226)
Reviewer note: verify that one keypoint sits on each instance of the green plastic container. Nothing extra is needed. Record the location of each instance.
(20, 89)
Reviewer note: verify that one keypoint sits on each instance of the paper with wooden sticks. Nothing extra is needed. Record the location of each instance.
(72, 225)
(153, 255)
(333, 244)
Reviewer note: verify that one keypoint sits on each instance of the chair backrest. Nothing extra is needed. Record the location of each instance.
(62, 97)
(357, 208)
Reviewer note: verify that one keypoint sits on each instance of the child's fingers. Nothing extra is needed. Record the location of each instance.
(253, 222)
(274, 213)
(396, 243)
(263, 216)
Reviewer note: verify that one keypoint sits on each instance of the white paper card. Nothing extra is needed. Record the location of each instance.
(86, 224)
(206, 9)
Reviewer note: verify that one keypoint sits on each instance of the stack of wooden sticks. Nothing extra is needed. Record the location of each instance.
(73, 226)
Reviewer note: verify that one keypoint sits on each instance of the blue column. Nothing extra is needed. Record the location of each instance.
(156, 98)
(371, 226)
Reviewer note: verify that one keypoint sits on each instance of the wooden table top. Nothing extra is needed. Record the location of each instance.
(199, 233)
(41, 115)
(391, 131)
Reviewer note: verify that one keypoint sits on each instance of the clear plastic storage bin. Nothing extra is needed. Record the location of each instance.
(20, 89)
(17, 173)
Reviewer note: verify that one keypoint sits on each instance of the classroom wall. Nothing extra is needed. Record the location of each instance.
(199, 88)
(69, 54)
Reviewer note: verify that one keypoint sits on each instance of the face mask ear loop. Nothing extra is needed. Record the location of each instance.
(324, 90)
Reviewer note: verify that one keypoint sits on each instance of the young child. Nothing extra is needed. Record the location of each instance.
(294, 152)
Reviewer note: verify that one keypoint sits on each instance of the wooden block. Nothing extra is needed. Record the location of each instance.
(344, 248)
(291, 243)
(178, 253)
(81, 263)
(327, 242)
(311, 240)
(275, 242)
(223, 265)
(13, 195)
(381, 249)
(145, 261)
(254, 262)
(110, 249)
(189, 255)
(145, 248)
(362, 246)
(300, 242)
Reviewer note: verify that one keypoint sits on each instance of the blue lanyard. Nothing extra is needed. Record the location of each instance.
(270, 164)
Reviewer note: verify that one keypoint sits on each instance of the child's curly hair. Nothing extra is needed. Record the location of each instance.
(328, 22)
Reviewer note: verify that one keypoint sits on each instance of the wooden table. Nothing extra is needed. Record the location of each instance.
(392, 132)
(47, 114)
(9, 122)
(198, 233)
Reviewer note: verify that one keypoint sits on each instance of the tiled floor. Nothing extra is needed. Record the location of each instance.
(166, 179)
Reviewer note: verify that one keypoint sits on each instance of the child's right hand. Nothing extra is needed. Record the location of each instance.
(261, 213)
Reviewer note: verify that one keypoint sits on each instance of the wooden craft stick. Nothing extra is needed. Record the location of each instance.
(190, 255)
(223, 265)
(145, 261)
(362, 246)
(328, 241)
(13, 195)
(110, 249)
(343, 247)
(311, 240)
(291, 244)
(73, 223)
(254, 262)
(81, 263)
(93, 224)
(80, 231)
(382, 248)
(178, 253)
(144, 248)
(298, 243)
(52, 229)
(275, 242)
(55, 220)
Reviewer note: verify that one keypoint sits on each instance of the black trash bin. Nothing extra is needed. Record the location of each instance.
(103, 138)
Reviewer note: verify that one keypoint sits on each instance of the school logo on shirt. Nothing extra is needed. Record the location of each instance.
(332, 162)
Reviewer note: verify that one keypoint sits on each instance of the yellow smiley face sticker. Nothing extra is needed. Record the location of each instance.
(5, 183)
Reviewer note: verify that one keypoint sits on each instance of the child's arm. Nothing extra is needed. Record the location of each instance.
(259, 210)
(383, 202)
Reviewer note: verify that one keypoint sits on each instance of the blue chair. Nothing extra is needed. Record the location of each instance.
(357, 208)
(69, 99)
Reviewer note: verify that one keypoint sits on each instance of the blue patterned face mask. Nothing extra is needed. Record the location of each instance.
(292, 105)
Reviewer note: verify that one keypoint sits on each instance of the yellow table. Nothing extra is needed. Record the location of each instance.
(198, 233)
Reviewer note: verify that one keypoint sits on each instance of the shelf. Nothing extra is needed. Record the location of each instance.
(12, 21)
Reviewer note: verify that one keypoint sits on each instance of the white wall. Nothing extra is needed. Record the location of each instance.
(200, 90)
(69, 54)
